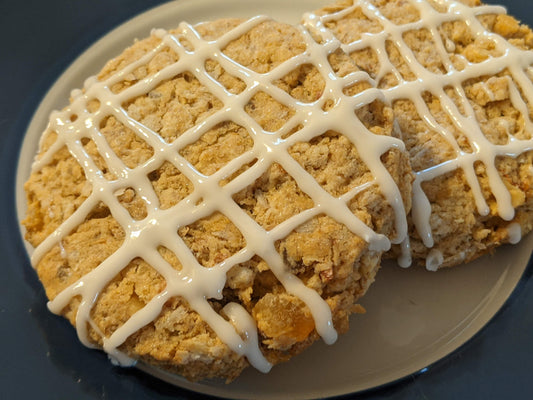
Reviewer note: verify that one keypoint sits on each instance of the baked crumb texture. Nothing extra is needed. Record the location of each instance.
(458, 75)
(159, 211)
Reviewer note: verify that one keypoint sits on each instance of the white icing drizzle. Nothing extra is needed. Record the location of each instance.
(513, 59)
(434, 260)
(195, 283)
(514, 231)
(405, 259)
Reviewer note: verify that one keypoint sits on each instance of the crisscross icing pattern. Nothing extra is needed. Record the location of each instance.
(507, 58)
(196, 283)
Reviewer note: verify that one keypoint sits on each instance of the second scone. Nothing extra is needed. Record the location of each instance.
(458, 75)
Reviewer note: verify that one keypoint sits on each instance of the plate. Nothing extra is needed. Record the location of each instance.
(414, 318)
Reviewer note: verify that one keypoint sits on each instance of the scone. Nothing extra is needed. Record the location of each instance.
(219, 196)
(458, 75)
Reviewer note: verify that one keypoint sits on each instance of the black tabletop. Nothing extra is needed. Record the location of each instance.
(39, 39)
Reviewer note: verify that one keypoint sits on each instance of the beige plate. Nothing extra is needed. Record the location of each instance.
(414, 317)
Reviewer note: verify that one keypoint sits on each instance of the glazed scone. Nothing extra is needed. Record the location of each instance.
(458, 75)
(205, 204)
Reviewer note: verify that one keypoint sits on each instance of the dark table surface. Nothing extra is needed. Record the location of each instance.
(39, 39)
